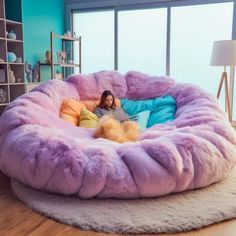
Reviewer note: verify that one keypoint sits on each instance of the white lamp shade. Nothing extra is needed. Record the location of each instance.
(223, 53)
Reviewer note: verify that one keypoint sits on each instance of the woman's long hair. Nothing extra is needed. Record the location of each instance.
(103, 98)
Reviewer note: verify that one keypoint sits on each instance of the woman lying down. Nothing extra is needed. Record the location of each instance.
(114, 123)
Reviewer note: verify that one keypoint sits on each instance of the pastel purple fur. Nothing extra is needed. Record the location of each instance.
(91, 86)
(39, 149)
(142, 86)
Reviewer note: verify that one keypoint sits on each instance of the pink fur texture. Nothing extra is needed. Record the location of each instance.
(91, 86)
(39, 149)
(142, 86)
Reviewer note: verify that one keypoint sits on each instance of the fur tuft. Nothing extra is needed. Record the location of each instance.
(110, 128)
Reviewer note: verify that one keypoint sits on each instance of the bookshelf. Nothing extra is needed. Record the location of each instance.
(55, 63)
(12, 83)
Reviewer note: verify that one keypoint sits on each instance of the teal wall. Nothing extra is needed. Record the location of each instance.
(39, 18)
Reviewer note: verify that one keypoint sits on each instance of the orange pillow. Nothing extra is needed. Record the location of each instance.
(70, 111)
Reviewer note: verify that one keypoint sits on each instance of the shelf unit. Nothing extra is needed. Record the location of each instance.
(54, 62)
(12, 88)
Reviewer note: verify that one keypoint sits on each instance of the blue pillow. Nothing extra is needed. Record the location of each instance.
(162, 109)
(132, 107)
(142, 119)
(161, 115)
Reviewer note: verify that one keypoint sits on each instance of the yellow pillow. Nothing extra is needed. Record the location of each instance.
(88, 119)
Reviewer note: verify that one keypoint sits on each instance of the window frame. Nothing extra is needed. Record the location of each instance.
(73, 6)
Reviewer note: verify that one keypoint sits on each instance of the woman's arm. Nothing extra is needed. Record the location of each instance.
(120, 115)
(98, 112)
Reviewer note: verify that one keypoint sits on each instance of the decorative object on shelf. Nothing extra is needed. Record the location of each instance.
(68, 34)
(32, 72)
(19, 60)
(69, 56)
(12, 35)
(36, 73)
(1, 60)
(58, 75)
(29, 72)
(75, 36)
(7, 33)
(61, 57)
(3, 96)
(11, 57)
(11, 76)
(48, 57)
(65, 59)
(2, 76)
(224, 54)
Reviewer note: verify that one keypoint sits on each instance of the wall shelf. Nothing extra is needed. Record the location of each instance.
(55, 62)
(15, 63)
(14, 41)
(3, 104)
(63, 37)
(12, 22)
(16, 83)
(67, 65)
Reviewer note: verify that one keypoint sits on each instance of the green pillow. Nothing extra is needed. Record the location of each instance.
(142, 119)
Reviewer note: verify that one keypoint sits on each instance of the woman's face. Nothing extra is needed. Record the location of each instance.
(108, 101)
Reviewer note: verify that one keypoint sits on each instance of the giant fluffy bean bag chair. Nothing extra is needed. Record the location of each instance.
(41, 150)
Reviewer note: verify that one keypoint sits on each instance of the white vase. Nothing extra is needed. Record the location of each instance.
(12, 35)
(12, 78)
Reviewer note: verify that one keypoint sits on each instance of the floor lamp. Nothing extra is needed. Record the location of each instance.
(224, 54)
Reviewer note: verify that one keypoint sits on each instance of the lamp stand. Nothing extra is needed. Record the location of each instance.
(227, 101)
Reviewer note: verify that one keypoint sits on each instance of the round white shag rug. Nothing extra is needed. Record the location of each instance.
(169, 214)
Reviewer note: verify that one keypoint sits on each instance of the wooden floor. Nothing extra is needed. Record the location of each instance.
(16, 219)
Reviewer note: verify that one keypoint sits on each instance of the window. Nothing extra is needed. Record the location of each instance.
(97, 31)
(193, 31)
(142, 40)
